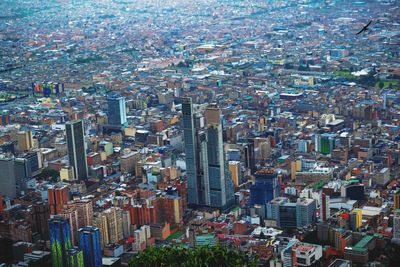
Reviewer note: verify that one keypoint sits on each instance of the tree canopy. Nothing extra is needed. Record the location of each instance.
(171, 256)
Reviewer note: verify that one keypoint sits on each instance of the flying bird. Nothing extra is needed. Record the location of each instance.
(365, 28)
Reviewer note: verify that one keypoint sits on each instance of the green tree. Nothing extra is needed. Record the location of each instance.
(173, 256)
(381, 85)
(49, 174)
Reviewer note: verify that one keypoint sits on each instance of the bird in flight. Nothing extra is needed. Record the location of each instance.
(365, 28)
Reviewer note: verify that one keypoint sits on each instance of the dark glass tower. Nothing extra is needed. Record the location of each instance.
(221, 184)
(76, 148)
(191, 152)
(89, 243)
(60, 241)
(116, 110)
(266, 187)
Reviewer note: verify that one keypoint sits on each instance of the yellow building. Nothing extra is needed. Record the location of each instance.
(234, 168)
(295, 166)
(358, 213)
(25, 140)
(67, 173)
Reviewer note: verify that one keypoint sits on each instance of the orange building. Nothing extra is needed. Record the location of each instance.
(58, 196)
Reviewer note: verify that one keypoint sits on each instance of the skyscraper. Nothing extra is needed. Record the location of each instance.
(324, 208)
(76, 148)
(265, 188)
(60, 241)
(396, 199)
(221, 184)
(89, 243)
(116, 110)
(196, 156)
(8, 186)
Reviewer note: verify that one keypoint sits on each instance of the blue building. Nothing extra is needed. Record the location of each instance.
(60, 241)
(265, 188)
(306, 212)
(116, 110)
(89, 243)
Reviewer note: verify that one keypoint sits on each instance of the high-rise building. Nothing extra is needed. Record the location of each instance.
(265, 188)
(84, 210)
(287, 215)
(72, 215)
(396, 200)
(327, 143)
(234, 168)
(60, 241)
(76, 148)
(24, 141)
(220, 181)
(358, 218)
(89, 243)
(196, 156)
(75, 258)
(116, 110)
(324, 208)
(8, 187)
(58, 197)
(306, 209)
(109, 223)
(396, 225)
(272, 209)
(22, 173)
(41, 216)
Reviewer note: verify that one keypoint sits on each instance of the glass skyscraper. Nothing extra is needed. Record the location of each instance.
(221, 184)
(116, 110)
(60, 241)
(89, 243)
(193, 146)
(76, 148)
(266, 187)
(209, 180)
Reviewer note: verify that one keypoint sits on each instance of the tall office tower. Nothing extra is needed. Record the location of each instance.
(249, 155)
(109, 223)
(89, 243)
(306, 209)
(265, 188)
(396, 226)
(196, 156)
(324, 209)
(8, 187)
(396, 199)
(221, 184)
(60, 241)
(75, 258)
(24, 141)
(41, 216)
(76, 148)
(58, 197)
(116, 110)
